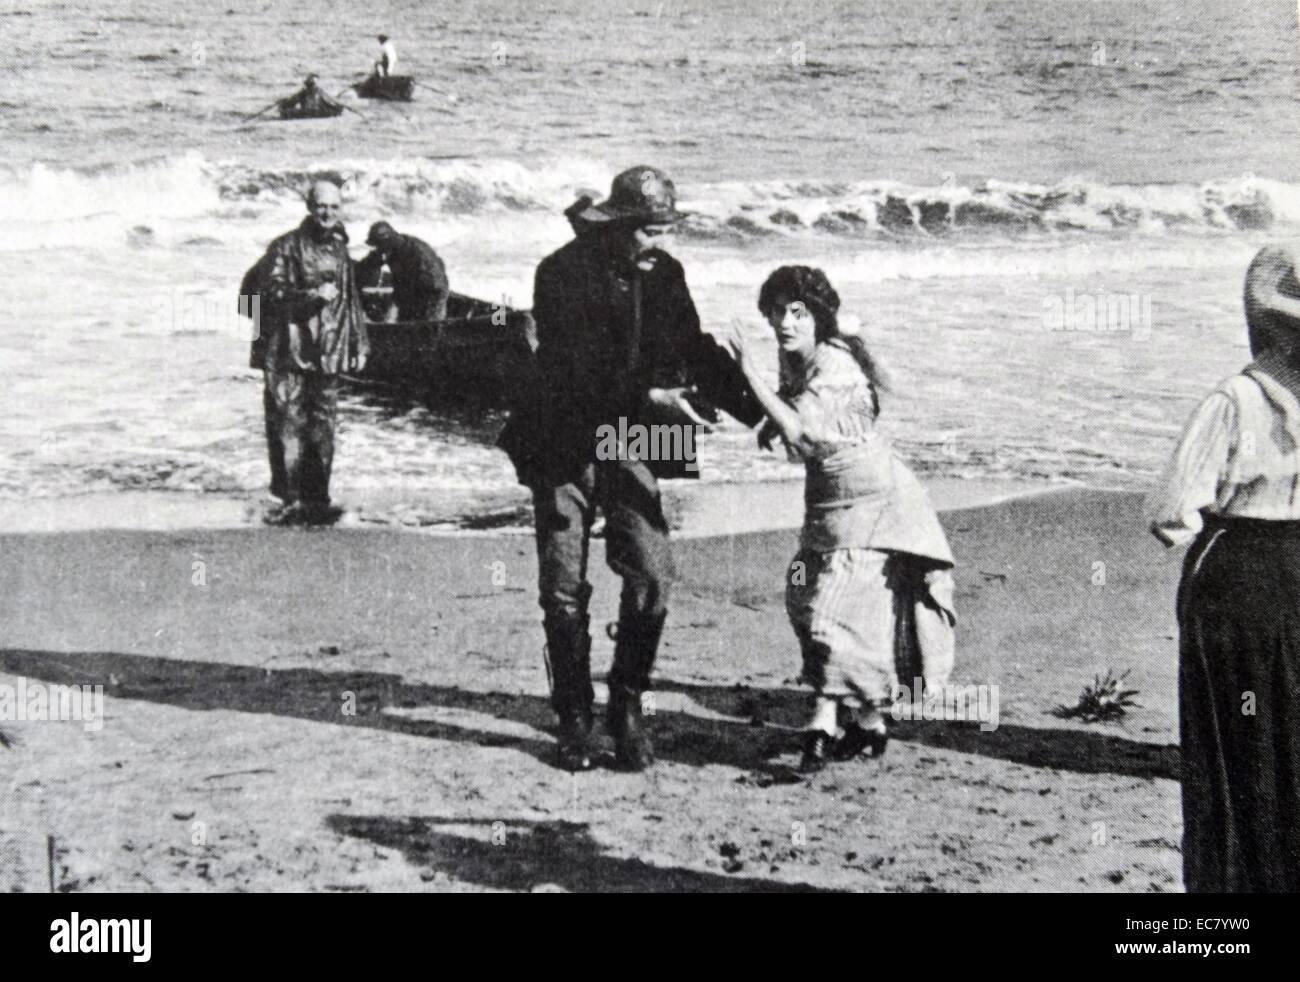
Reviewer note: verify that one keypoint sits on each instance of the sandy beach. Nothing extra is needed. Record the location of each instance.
(1037, 219)
(364, 709)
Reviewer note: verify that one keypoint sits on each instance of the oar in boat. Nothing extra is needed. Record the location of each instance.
(262, 110)
(451, 96)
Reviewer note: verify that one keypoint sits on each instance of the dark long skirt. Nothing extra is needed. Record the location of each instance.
(1239, 706)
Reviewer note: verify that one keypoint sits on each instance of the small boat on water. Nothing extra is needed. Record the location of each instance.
(481, 349)
(391, 88)
(321, 111)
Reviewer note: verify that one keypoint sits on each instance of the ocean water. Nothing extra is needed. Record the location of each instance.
(1041, 211)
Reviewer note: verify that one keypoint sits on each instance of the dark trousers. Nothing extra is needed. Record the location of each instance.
(300, 411)
(1239, 707)
(636, 548)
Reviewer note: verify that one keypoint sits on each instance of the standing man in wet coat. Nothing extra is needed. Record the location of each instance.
(619, 341)
(315, 331)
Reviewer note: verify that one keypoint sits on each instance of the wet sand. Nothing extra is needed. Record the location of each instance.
(693, 508)
(365, 709)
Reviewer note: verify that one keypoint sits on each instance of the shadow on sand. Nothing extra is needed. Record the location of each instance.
(522, 855)
(380, 699)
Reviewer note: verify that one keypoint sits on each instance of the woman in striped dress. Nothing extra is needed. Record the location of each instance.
(870, 592)
(1233, 490)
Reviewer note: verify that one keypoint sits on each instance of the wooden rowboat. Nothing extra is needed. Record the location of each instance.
(481, 349)
(392, 88)
(323, 111)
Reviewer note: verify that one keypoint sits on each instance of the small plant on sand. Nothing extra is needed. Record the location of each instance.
(1102, 700)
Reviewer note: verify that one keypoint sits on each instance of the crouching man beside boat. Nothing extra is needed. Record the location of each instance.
(314, 331)
(619, 342)
(420, 289)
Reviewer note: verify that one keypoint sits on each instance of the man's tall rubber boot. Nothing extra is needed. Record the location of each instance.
(568, 660)
(634, 656)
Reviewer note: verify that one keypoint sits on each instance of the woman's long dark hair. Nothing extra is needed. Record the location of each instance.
(810, 285)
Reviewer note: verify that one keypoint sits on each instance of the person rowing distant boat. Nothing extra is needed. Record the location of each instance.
(309, 99)
(387, 63)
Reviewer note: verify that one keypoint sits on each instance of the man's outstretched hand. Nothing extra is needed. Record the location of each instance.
(675, 407)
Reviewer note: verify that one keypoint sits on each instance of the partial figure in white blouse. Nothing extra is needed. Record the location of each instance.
(1233, 490)
(870, 592)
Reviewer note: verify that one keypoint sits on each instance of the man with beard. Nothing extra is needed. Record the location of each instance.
(619, 341)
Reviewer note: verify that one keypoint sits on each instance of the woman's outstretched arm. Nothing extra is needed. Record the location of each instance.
(781, 414)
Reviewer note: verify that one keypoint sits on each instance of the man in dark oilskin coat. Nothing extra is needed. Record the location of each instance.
(313, 330)
(619, 340)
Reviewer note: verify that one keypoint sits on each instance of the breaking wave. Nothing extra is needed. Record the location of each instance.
(994, 207)
(49, 207)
